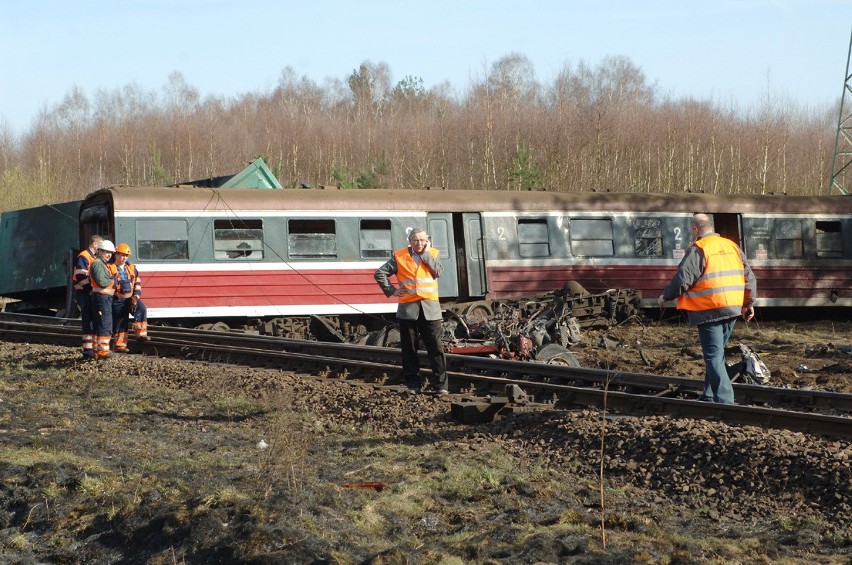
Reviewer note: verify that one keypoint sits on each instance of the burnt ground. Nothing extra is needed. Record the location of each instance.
(144, 460)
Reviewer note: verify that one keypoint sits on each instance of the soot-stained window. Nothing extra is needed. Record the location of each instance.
(829, 239)
(648, 237)
(312, 239)
(375, 239)
(591, 238)
(238, 240)
(788, 239)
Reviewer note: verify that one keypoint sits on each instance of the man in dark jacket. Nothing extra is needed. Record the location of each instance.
(83, 292)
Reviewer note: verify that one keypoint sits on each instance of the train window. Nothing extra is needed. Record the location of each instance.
(375, 239)
(312, 239)
(93, 214)
(238, 240)
(533, 240)
(829, 239)
(162, 240)
(591, 238)
(788, 239)
(647, 237)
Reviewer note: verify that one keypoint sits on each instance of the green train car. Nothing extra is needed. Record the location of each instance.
(36, 246)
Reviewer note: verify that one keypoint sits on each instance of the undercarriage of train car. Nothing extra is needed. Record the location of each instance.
(537, 328)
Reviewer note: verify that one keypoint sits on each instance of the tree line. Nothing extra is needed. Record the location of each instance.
(603, 128)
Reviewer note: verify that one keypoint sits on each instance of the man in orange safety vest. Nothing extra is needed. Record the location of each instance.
(417, 268)
(715, 285)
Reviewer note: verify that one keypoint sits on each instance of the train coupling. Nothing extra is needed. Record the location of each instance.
(515, 401)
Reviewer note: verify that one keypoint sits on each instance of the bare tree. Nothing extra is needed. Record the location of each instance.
(370, 86)
(592, 127)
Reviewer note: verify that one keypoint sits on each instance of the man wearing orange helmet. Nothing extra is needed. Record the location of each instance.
(127, 300)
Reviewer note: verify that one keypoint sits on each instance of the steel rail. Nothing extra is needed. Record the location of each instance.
(616, 401)
(613, 380)
(326, 356)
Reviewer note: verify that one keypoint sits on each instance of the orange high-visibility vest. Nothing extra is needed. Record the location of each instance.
(134, 284)
(81, 272)
(416, 280)
(110, 290)
(723, 281)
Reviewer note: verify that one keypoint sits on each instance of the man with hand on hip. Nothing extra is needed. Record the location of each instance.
(417, 268)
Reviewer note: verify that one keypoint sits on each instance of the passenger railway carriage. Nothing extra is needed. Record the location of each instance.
(235, 252)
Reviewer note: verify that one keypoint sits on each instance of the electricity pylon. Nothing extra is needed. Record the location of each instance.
(843, 142)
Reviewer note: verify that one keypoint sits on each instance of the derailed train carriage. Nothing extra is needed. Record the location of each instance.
(218, 253)
(37, 245)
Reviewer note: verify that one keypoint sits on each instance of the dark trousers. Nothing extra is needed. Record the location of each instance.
(84, 301)
(120, 322)
(410, 334)
(102, 321)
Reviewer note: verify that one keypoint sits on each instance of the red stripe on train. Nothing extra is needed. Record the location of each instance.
(176, 289)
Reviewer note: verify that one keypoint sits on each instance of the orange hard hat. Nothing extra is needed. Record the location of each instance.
(123, 248)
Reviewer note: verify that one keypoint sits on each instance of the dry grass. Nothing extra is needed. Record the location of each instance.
(133, 456)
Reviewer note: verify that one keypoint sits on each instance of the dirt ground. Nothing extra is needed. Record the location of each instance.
(138, 459)
(814, 354)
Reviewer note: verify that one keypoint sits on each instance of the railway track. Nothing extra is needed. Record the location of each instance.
(484, 388)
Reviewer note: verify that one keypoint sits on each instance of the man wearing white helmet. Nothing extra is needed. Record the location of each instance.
(102, 277)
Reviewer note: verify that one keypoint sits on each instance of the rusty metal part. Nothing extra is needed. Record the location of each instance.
(515, 401)
(517, 328)
(376, 485)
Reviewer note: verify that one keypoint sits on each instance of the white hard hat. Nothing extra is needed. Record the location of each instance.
(106, 245)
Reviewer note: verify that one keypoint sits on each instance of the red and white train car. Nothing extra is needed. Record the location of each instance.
(221, 253)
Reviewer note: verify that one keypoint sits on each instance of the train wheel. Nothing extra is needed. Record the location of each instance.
(574, 289)
(376, 338)
(555, 354)
(478, 313)
(392, 338)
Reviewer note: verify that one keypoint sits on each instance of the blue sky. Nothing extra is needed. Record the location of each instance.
(736, 52)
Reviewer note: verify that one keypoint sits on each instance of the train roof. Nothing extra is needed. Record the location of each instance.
(126, 198)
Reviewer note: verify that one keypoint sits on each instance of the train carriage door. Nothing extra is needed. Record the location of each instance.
(474, 255)
(728, 225)
(440, 228)
(96, 218)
